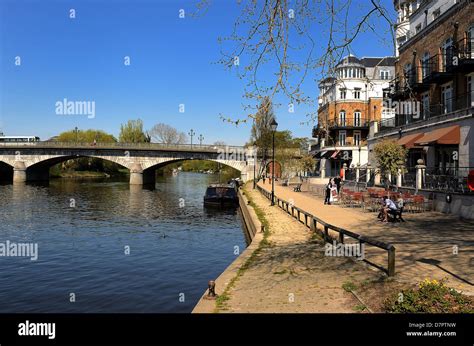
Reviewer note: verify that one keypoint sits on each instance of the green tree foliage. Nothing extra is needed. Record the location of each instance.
(132, 132)
(86, 136)
(85, 163)
(390, 156)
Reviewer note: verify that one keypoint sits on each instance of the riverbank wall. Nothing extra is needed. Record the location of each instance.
(253, 227)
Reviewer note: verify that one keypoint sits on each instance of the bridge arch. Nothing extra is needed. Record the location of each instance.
(6, 171)
(37, 169)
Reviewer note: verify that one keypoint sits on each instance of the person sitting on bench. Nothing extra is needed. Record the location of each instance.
(388, 207)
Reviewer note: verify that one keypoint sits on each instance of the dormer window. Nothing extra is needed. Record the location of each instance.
(384, 74)
(436, 13)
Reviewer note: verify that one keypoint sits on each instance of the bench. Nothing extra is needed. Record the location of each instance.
(297, 188)
(396, 215)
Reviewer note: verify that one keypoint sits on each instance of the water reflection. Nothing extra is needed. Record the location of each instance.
(82, 228)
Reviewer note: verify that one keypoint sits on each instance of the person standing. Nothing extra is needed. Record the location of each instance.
(337, 181)
(327, 199)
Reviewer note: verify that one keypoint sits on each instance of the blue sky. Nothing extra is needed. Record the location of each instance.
(172, 63)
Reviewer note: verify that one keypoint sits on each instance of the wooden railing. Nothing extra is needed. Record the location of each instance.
(312, 223)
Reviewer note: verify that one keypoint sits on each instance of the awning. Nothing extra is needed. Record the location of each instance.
(445, 135)
(409, 140)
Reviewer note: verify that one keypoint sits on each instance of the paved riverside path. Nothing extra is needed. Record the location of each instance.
(424, 243)
(293, 274)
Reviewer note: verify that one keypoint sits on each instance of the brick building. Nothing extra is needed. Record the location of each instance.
(349, 99)
(432, 94)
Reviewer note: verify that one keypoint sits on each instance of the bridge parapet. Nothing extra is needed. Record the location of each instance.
(126, 146)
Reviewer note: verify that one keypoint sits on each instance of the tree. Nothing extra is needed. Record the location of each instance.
(308, 163)
(87, 163)
(275, 38)
(390, 156)
(261, 133)
(86, 136)
(132, 132)
(167, 134)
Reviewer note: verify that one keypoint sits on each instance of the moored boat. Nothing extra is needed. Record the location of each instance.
(221, 195)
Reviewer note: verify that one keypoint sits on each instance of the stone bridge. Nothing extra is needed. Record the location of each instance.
(21, 162)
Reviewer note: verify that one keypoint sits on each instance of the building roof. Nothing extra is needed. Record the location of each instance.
(368, 61)
(385, 61)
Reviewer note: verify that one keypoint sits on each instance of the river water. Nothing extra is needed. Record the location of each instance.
(104, 246)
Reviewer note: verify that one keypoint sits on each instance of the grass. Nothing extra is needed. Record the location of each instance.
(222, 299)
(359, 307)
(349, 286)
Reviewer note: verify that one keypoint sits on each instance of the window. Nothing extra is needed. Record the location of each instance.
(343, 94)
(342, 138)
(470, 91)
(342, 118)
(384, 74)
(357, 93)
(470, 42)
(436, 13)
(447, 51)
(418, 28)
(425, 103)
(357, 118)
(447, 98)
(425, 67)
(356, 138)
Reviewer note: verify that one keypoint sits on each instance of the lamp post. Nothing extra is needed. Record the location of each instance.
(191, 134)
(75, 131)
(201, 138)
(254, 152)
(273, 126)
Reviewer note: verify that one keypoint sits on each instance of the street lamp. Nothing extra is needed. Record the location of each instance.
(201, 138)
(191, 134)
(254, 152)
(75, 131)
(273, 126)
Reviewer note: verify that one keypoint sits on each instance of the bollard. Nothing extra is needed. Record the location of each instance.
(211, 287)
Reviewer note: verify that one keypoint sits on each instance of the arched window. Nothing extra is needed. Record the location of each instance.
(342, 118)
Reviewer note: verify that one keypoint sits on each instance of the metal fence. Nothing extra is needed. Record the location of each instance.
(312, 223)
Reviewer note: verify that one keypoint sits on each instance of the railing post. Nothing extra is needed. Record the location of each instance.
(326, 233)
(391, 260)
(341, 237)
(357, 173)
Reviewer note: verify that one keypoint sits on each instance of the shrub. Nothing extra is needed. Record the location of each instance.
(431, 296)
